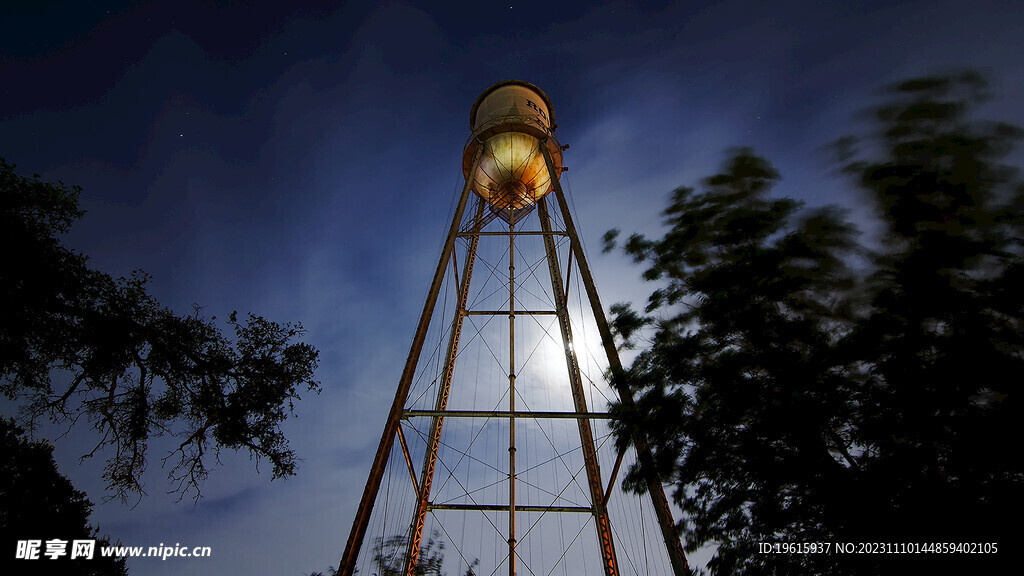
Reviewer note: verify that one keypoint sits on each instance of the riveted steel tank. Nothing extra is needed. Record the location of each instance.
(512, 120)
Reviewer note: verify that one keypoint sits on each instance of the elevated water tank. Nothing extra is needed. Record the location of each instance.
(512, 120)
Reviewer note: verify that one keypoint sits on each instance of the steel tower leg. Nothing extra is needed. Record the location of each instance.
(675, 549)
(362, 519)
(604, 530)
(434, 438)
(512, 393)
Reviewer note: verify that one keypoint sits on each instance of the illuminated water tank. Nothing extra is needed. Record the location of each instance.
(512, 120)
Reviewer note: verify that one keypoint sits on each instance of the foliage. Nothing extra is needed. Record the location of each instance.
(389, 557)
(76, 342)
(822, 403)
(38, 503)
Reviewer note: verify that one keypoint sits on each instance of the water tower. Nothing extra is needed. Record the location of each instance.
(509, 432)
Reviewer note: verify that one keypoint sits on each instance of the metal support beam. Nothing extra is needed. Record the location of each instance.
(568, 276)
(408, 459)
(675, 549)
(614, 476)
(510, 312)
(434, 439)
(369, 497)
(504, 414)
(504, 508)
(604, 529)
(599, 495)
(455, 269)
(519, 233)
(512, 395)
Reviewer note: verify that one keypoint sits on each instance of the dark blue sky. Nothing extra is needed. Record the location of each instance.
(300, 162)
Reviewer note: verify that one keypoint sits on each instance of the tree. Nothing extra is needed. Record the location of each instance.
(77, 343)
(942, 342)
(38, 503)
(746, 354)
(825, 404)
(389, 556)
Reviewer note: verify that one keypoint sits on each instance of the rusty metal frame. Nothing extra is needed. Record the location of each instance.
(535, 414)
(661, 508)
(598, 493)
(512, 393)
(434, 439)
(408, 458)
(614, 476)
(601, 521)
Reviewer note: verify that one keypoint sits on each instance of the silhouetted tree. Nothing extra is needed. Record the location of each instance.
(752, 308)
(389, 557)
(38, 503)
(823, 404)
(76, 342)
(940, 350)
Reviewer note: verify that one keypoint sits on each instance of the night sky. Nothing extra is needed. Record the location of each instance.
(300, 162)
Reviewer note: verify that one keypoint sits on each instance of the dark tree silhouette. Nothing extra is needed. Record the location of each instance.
(745, 352)
(77, 343)
(940, 350)
(389, 556)
(38, 503)
(825, 404)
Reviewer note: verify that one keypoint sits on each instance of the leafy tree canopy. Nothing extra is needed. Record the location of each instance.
(389, 557)
(826, 402)
(38, 503)
(77, 343)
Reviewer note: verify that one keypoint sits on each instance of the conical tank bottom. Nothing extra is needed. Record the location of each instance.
(512, 174)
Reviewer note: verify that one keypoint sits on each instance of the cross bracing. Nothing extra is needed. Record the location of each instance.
(500, 450)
